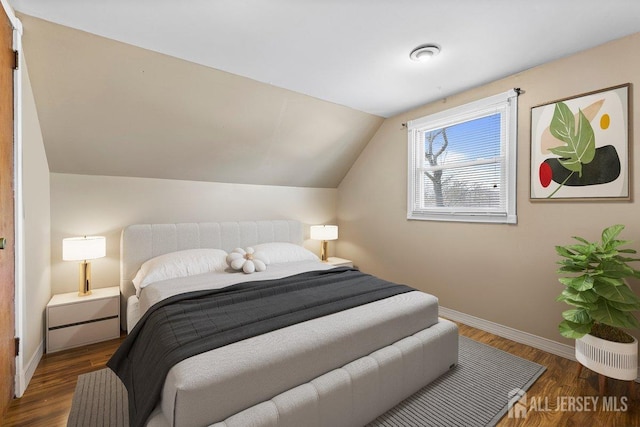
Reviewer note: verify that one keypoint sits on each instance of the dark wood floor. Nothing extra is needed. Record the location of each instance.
(560, 388)
(47, 400)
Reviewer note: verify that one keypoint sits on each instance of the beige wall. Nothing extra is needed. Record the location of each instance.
(135, 112)
(37, 247)
(84, 205)
(501, 273)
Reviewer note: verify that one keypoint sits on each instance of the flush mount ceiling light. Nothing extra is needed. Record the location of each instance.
(424, 52)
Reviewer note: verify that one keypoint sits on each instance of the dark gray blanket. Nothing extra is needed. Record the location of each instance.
(192, 323)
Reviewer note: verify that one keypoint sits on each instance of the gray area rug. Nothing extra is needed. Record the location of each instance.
(100, 400)
(474, 393)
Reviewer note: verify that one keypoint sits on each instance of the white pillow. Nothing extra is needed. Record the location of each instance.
(278, 252)
(180, 264)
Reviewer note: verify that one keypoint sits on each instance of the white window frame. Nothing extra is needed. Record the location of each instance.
(505, 103)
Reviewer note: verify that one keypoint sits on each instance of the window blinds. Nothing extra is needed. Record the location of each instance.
(462, 162)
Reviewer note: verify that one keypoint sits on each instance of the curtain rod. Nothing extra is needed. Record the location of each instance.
(517, 90)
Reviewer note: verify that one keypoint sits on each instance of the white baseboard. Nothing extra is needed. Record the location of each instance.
(544, 344)
(25, 375)
(553, 347)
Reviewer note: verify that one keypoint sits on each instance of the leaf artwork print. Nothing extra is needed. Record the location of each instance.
(580, 147)
(580, 142)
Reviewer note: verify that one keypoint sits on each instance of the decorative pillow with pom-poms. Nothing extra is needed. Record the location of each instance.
(247, 260)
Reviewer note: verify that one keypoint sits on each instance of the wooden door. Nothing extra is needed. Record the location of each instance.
(7, 256)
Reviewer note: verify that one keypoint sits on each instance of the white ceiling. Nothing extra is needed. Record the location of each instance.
(271, 92)
(354, 52)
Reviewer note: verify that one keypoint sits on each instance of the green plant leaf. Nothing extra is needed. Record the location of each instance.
(624, 306)
(573, 259)
(615, 293)
(610, 233)
(577, 315)
(571, 269)
(574, 330)
(628, 251)
(581, 239)
(569, 301)
(611, 254)
(572, 264)
(614, 281)
(580, 283)
(562, 251)
(588, 296)
(626, 259)
(582, 249)
(617, 243)
(594, 274)
(609, 315)
(587, 306)
(616, 270)
(580, 142)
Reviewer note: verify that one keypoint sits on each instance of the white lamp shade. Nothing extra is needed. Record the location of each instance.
(83, 248)
(324, 232)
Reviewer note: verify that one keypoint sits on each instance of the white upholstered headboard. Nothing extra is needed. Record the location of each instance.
(141, 242)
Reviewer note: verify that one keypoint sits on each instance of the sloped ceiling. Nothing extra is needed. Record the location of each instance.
(109, 108)
(276, 92)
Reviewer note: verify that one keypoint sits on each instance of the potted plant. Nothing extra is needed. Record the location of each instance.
(594, 274)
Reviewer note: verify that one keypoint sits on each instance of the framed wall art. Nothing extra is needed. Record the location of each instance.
(580, 147)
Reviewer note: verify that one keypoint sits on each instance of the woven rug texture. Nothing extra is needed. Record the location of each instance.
(99, 400)
(473, 394)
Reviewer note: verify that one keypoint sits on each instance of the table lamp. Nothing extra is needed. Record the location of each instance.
(83, 249)
(324, 233)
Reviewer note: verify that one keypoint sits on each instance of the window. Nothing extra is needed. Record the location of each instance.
(462, 162)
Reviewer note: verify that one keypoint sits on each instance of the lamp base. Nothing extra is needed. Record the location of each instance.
(324, 253)
(84, 283)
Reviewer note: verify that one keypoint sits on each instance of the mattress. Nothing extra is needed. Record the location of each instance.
(257, 369)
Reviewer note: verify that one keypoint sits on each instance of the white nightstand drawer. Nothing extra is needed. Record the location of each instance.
(74, 320)
(87, 333)
(69, 314)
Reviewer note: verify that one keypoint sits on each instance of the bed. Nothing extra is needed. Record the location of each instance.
(344, 368)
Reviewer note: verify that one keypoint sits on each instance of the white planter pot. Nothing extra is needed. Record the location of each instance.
(611, 359)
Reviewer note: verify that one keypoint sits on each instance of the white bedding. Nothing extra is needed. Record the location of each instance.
(158, 291)
(256, 369)
(253, 370)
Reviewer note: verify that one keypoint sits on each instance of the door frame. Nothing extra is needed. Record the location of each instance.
(20, 380)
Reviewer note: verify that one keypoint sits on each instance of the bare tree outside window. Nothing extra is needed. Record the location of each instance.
(431, 155)
(454, 182)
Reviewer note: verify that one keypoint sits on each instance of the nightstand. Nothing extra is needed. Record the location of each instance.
(73, 320)
(339, 262)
